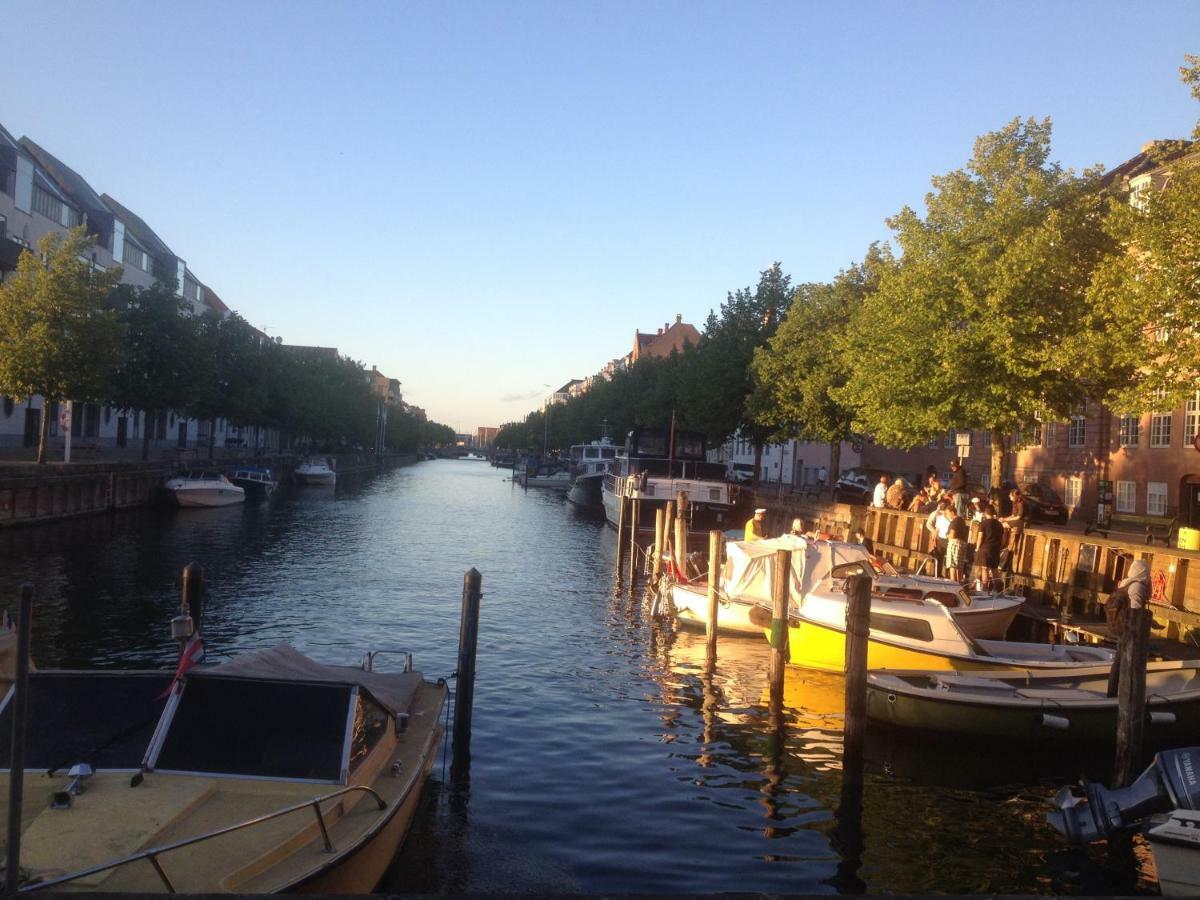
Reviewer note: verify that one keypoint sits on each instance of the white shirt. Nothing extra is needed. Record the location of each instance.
(880, 495)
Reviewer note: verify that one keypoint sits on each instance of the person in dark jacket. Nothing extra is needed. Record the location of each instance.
(988, 542)
(958, 487)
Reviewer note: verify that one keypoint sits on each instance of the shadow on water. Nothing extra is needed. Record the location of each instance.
(608, 755)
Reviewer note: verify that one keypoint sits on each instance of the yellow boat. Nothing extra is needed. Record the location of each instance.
(906, 632)
(269, 773)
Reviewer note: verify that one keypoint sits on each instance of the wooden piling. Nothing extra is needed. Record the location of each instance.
(780, 582)
(669, 531)
(193, 593)
(858, 630)
(714, 576)
(464, 693)
(659, 523)
(621, 505)
(20, 722)
(1131, 696)
(635, 506)
(681, 543)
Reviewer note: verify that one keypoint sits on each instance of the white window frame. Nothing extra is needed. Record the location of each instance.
(1125, 496)
(1160, 430)
(1077, 427)
(1191, 419)
(1073, 491)
(1156, 498)
(1131, 431)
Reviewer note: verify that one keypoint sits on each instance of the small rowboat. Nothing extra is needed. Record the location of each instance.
(1040, 706)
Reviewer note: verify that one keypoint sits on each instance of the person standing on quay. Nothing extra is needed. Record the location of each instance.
(879, 501)
(756, 526)
(958, 487)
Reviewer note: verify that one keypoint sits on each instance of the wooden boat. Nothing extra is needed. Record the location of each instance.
(269, 773)
(907, 632)
(1041, 706)
(747, 574)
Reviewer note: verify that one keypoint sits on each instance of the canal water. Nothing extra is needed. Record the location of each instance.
(606, 756)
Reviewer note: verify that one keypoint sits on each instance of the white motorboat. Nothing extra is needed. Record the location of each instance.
(745, 583)
(205, 488)
(315, 470)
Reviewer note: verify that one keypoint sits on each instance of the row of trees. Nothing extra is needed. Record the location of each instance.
(69, 330)
(1024, 290)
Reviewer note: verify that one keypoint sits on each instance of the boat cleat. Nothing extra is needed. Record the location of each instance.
(79, 774)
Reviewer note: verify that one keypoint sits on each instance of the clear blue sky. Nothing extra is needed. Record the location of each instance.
(486, 198)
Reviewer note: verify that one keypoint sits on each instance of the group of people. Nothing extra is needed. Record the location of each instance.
(756, 529)
(895, 494)
(976, 540)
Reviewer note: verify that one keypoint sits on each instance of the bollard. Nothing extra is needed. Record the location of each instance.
(1131, 696)
(621, 502)
(780, 578)
(20, 722)
(464, 694)
(659, 522)
(636, 506)
(714, 576)
(858, 631)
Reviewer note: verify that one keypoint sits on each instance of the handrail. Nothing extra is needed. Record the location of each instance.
(153, 853)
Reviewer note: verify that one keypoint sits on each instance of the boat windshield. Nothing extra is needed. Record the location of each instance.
(265, 729)
(105, 720)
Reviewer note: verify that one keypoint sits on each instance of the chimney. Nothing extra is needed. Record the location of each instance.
(678, 318)
(660, 331)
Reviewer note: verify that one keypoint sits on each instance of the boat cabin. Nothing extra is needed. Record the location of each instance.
(659, 454)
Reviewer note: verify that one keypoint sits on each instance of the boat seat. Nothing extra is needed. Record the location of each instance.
(969, 684)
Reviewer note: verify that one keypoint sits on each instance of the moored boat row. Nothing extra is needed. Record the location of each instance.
(213, 488)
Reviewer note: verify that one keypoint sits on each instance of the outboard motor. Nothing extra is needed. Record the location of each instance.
(1171, 782)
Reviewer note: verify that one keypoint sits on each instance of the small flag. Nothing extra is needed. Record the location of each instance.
(192, 654)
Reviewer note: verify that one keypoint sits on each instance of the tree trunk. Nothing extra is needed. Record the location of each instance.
(757, 460)
(835, 461)
(43, 430)
(148, 416)
(212, 437)
(1001, 442)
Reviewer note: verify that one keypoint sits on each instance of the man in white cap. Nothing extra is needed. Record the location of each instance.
(756, 526)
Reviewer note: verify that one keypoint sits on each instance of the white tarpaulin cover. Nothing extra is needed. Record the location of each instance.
(749, 567)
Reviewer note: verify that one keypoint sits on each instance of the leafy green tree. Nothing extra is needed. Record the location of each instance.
(985, 322)
(158, 356)
(58, 335)
(799, 372)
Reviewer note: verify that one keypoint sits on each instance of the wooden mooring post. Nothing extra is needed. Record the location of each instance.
(858, 631)
(681, 532)
(779, 624)
(20, 722)
(622, 502)
(714, 580)
(659, 521)
(1130, 662)
(635, 506)
(464, 693)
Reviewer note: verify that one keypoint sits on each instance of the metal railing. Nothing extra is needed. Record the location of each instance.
(151, 854)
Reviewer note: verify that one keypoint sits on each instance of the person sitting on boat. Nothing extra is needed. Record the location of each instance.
(798, 528)
(756, 526)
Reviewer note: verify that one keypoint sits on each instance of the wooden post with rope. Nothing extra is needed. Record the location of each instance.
(681, 530)
(714, 576)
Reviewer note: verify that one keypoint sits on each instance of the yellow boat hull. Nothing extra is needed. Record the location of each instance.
(821, 647)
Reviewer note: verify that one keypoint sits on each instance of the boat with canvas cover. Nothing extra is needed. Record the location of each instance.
(269, 773)
(1039, 706)
(204, 489)
(746, 583)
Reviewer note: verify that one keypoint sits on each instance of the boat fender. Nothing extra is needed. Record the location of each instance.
(1057, 723)
(1161, 717)
(891, 698)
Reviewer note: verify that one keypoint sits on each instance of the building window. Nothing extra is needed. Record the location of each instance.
(1160, 430)
(949, 438)
(934, 443)
(54, 209)
(1156, 498)
(1048, 436)
(987, 437)
(985, 480)
(1126, 496)
(1131, 430)
(1191, 422)
(1073, 492)
(1077, 427)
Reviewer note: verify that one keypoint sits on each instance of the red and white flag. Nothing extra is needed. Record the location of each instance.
(192, 654)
